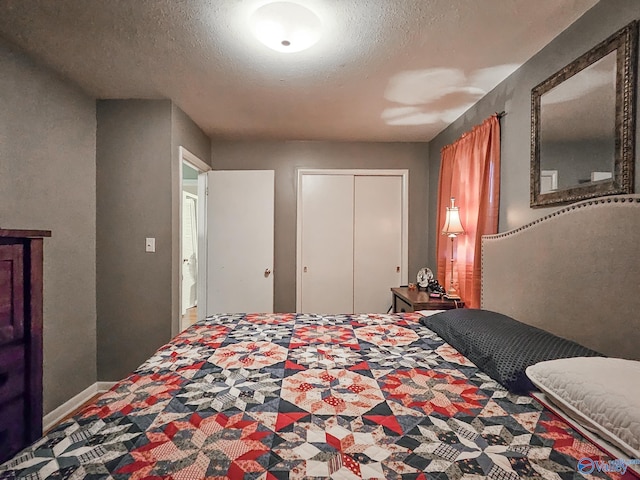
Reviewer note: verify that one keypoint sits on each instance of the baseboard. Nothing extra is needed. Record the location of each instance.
(53, 417)
(105, 386)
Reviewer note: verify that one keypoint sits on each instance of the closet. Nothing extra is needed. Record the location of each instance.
(352, 239)
(20, 339)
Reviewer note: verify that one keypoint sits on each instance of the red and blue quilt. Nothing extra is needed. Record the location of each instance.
(299, 396)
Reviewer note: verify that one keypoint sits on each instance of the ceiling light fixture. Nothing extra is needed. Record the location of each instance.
(286, 26)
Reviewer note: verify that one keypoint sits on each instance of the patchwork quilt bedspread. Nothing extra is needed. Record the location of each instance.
(293, 396)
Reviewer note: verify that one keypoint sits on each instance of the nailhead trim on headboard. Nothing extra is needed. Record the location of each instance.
(569, 208)
(630, 198)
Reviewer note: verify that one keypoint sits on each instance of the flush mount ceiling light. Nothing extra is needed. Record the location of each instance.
(286, 26)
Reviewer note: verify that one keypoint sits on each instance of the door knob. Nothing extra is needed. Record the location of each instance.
(397, 269)
(267, 272)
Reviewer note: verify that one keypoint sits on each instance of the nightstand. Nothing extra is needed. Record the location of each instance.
(405, 300)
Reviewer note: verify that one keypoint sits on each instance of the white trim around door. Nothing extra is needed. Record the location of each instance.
(185, 156)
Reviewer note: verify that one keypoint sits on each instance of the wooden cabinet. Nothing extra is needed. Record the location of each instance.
(20, 339)
(405, 300)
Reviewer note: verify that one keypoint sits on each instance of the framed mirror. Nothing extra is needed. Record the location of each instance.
(583, 125)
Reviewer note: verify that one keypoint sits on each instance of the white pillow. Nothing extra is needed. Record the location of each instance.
(603, 394)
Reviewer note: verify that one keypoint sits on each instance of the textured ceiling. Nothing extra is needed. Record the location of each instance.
(383, 70)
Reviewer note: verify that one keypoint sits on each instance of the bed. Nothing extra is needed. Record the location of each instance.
(292, 396)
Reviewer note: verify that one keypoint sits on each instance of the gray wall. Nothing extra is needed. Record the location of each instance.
(514, 96)
(137, 188)
(47, 182)
(133, 202)
(286, 157)
(185, 133)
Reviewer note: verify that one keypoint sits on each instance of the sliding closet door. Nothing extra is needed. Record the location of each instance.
(352, 240)
(377, 246)
(327, 244)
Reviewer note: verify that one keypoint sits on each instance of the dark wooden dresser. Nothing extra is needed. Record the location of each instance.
(405, 300)
(20, 339)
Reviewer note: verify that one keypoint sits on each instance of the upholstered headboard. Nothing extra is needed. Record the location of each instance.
(575, 273)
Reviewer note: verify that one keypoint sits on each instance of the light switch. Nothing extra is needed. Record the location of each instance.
(150, 245)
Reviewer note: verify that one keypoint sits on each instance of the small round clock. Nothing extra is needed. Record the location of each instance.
(425, 276)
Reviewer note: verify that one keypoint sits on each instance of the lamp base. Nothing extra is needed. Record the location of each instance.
(452, 294)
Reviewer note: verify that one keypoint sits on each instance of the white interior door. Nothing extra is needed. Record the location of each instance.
(189, 250)
(240, 224)
(377, 249)
(327, 244)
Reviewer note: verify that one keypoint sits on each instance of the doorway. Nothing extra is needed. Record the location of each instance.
(192, 233)
(189, 250)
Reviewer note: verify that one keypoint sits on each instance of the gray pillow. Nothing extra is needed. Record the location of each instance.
(500, 346)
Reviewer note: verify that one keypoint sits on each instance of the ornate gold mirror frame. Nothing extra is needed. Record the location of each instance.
(583, 125)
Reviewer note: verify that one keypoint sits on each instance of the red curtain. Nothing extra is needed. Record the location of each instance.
(469, 172)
